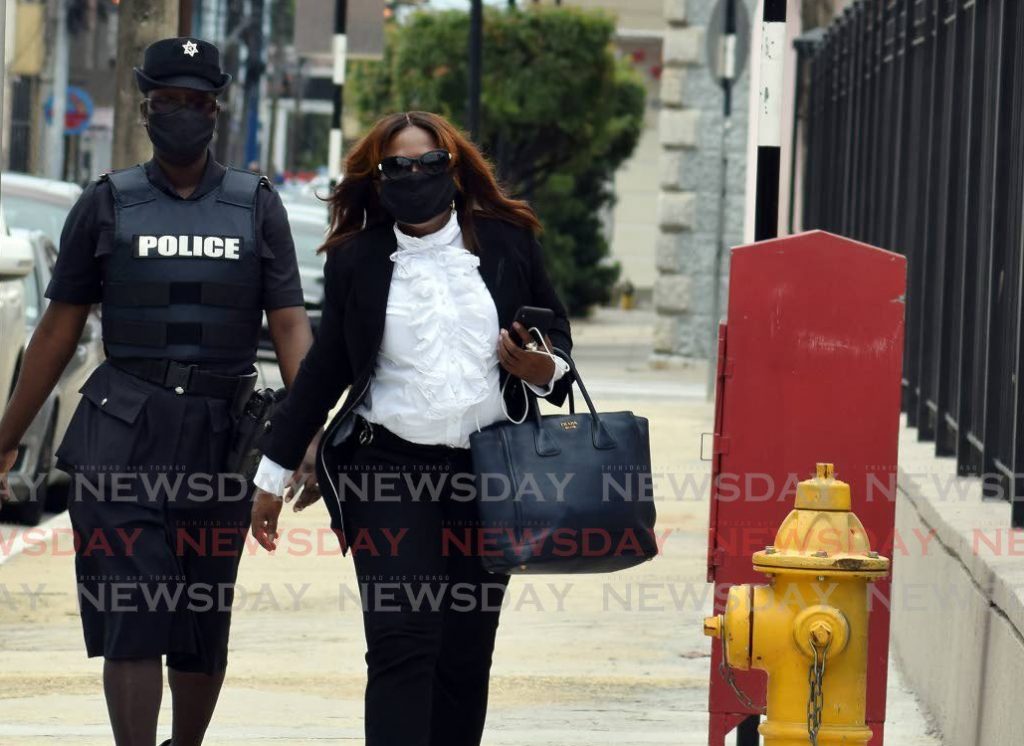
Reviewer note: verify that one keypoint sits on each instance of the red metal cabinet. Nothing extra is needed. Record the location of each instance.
(809, 370)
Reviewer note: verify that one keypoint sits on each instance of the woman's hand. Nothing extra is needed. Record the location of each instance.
(266, 508)
(7, 459)
(530, 366)
(303, 487)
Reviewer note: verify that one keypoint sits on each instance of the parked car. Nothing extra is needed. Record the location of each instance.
(34, 203)
(306, 190)
(40, 207)
(35, 453)
(15, 264)
(308, 220)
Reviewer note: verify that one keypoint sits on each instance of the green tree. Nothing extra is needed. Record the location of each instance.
(559, 115)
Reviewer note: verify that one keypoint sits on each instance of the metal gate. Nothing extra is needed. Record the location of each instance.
(915, 141)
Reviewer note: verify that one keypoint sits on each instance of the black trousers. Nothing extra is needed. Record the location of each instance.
(430, 610)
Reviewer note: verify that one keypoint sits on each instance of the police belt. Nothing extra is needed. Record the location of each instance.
(185, 378)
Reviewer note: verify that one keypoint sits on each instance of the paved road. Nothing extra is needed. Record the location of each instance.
(580, 660)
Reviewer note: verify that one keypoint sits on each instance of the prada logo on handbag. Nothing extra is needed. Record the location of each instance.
(569, 424)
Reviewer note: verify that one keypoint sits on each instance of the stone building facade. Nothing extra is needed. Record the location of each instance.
(690, 127)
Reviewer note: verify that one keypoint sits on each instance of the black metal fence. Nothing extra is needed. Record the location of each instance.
(915, 143)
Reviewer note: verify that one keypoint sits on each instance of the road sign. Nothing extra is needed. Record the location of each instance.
(77, 113)
(728, 40)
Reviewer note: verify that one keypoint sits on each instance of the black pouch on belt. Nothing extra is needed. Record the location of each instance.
(250, 428)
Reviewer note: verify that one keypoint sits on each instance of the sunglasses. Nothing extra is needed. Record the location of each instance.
(432, 163)
(167, 105)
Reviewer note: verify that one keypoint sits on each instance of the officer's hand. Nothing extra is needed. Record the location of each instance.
(303, 487)
(265, 510)
(7, 459)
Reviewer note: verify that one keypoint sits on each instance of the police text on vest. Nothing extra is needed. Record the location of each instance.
(206, 247)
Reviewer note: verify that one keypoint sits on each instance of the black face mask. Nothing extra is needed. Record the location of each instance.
(418, 197)
(182, 136)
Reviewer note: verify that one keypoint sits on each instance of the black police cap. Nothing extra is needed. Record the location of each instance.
(182, 63)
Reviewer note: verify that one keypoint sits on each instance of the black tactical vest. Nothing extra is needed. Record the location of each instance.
(184, 279)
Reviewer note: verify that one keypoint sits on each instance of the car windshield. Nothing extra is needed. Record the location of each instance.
(35, 215)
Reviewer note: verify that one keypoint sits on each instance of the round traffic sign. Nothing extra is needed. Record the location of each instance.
(78, 110)
(727, 40)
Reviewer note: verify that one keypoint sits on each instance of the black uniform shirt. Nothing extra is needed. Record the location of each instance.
(77, 278)
(78, 274)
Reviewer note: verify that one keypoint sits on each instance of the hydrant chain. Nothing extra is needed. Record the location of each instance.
(816, 696)
(726, 670)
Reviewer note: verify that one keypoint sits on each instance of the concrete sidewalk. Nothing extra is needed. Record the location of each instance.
(580, 660)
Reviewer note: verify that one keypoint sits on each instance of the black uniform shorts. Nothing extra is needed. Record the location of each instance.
(159, 528)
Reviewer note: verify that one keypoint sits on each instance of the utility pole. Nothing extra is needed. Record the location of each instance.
(59, 92)
(255, 42)
(339, 47)
(299, 87)
(139, 24)
(278, 39)
(3, 82)
(476, 23)
(185, 18)
(726, 72)
(766, 200)
(225, 145)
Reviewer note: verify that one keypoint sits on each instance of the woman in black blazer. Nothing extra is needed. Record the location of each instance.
(427, 263)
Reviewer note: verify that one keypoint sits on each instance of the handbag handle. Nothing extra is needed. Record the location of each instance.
(600, 435)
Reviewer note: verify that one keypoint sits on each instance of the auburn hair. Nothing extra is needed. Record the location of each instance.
(355, 204)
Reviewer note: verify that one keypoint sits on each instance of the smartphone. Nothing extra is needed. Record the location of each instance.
(532, 317)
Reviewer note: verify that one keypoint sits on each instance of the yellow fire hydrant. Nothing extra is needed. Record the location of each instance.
(808, 628)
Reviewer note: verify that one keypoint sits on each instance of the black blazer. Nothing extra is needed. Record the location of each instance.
(357, 278)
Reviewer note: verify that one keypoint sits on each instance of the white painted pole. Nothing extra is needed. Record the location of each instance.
(55, 132)
(769, 119)
(340, 48)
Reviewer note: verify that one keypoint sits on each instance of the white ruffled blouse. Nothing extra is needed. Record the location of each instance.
(436, 378)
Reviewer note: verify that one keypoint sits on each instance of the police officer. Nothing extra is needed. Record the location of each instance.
(184, 255)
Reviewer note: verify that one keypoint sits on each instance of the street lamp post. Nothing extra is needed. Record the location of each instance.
(476, 22)
(185, 18)
(55, 133)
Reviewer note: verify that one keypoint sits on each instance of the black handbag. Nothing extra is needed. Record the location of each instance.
(565, 493)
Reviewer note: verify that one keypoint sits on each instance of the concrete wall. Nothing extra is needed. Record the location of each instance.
(631, 221)
(691, 128)
(631, 15)
(958, 601)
